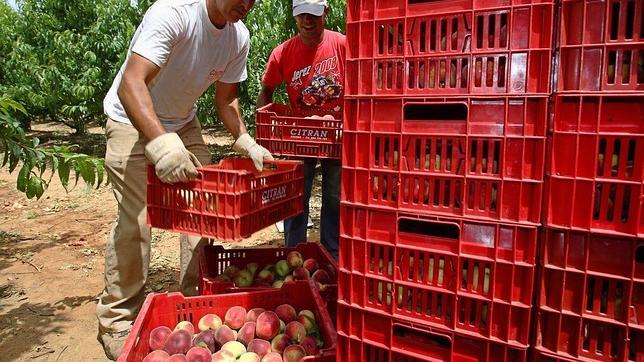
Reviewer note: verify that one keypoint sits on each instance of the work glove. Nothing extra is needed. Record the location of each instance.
(172, 161)
(246, 146)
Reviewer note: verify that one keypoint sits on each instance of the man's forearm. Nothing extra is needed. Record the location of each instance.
(136, 100)
(265, 96)
(230, 116)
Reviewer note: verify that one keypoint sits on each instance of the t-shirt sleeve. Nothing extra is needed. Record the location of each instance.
(236, 70)
(159, 31)
(273, 75)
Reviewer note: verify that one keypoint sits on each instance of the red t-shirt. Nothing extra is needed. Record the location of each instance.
(314, 76)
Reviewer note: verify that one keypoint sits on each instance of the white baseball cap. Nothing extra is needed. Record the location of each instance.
(313, 7)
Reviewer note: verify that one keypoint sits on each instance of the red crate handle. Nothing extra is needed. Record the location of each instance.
(421, 342)
(441, 118)
(424, 228)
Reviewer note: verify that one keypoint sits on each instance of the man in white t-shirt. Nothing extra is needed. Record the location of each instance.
(180, 49)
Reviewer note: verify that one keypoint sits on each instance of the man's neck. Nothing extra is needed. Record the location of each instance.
(216, 17)
(314, 41)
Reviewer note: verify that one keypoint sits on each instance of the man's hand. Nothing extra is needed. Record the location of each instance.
(172, 161)
(246, 146)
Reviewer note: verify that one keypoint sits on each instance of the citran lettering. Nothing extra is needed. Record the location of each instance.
(309, 133)
(273, 194)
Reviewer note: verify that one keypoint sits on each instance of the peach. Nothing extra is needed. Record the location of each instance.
(307, 318)
(282, 269)
(223, 356)
(186, 326)
(310, 345)
(252, 314)
(272, 357)
(205, 339)
(282, 326)
(252, 268)
(156, 356)
(235, 317)
(268, 324)
(246, 333)
(177, 358)
(235, 348)
(301, 274)
(321, 277)
(277, 284)
(199, 354)
(158, 336)
(178, 341)
(224, 334)
(266, 276)
(294, 259)
(288, 279)
(248, 357)
(259, 346)
(311, 265)
(231, 271)
(243, 279)
(209, 321)
(295, 331)
(293, 353)
(279, 343)
(286, 312)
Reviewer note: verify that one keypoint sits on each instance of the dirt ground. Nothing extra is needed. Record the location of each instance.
(51, 258)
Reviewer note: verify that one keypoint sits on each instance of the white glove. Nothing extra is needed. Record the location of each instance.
(172, 161)
(246, 146)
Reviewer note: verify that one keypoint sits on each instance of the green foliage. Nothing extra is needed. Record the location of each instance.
(270, 23)
(64, 55)
(36, 160)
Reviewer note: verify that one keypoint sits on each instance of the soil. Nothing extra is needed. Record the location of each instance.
(51, 257)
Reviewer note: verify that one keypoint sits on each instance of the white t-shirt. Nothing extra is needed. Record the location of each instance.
(177, 35)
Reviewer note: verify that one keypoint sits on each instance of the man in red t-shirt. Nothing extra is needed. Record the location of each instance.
(311, 64)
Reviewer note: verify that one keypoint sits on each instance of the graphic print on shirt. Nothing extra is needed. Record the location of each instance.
(324, 86)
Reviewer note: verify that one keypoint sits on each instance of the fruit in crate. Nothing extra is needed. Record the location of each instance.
(259, 346)
(286, 313)
(158, 336)
(294, 259)
(209, 321)
(205, 339)
(223, 356)
(235, 317)
(268, 324)
(293, 353)
(310, 345)
(249, 357)
(224, 335)
(311, 265)
(186, 326)
(199, 354)
(178, 341)
(282, 268)
(246, 333)
(157, 356)
(177, 358)
(272, 357)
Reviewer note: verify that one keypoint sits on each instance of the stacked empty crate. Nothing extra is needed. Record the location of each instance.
(443, 159)
(591, 294)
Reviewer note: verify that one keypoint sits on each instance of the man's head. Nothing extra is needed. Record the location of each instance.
(310, 17)
(233, 10)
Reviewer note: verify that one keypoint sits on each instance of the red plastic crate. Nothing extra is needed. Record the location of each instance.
(229, 200)
(365, 336)
(168, 309)
(591, 298)
(596, 171)
(466, 157)
(214, 259)
(472, 277)
(538, 356)
(286, 134)
(601, 46)
(451, 48)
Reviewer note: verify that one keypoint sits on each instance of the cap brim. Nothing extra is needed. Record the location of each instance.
(316, 10)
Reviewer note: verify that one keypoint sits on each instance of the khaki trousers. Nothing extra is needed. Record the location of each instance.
(127, 254)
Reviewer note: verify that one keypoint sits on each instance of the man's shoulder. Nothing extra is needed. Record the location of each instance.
(175, 4)
(241, 29)
(336, 36)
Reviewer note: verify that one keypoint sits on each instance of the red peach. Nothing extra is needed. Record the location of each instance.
(266, 276)
(310, 345)
(293, 353)
(235, 317)
(223, 356)
(234, 347)
(307, 318)
(158, 336)
(177, 358)
(224, 334)
(279, 343)
(178, 341)
(295, 331)
(288, 279)
(286, 312)
(186, 326)
(209, 321)
(156, 356)
(311, 265)
(321, 277)
(248, 357)
(268, 324)
(199, 354)
(246, 333)
(272, 357)
(205, 339)
(301, 274)
(259, 346)
(252, 314)
(294, 259)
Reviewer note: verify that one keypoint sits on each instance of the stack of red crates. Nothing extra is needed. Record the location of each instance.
(443, 160)
(591, 295)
